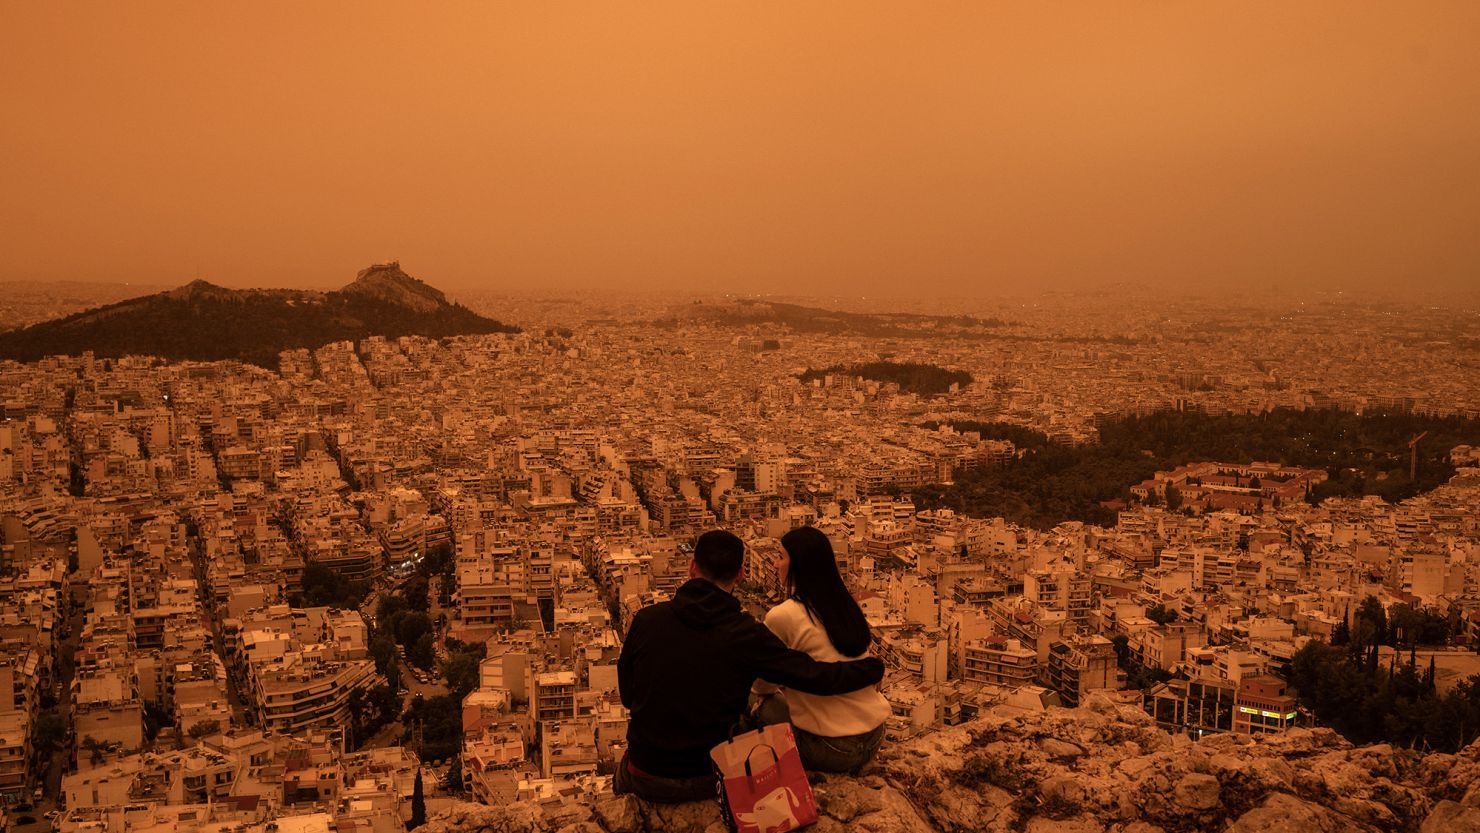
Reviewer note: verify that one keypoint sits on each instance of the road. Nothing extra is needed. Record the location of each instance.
(436, 688)
(56, 767)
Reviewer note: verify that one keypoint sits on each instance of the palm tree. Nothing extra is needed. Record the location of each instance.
(95, 749)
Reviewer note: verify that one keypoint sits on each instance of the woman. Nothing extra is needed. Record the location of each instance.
(820, 618)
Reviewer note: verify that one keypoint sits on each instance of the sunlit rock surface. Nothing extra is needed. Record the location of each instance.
(1101, 768)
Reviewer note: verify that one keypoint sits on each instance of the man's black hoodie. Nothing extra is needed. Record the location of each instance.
(686, 669)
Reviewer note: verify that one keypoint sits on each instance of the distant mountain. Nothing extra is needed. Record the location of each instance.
(205, 322)
(804, 319)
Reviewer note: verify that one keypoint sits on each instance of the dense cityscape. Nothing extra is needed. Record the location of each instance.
(675, 417)
(394, 575)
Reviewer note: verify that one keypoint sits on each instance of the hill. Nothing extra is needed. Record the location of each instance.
(204, 322)
(799, 319)
(803, 319)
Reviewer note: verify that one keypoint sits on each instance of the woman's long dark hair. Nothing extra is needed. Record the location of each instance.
(813, 580)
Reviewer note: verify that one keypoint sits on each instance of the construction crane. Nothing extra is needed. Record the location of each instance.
(1413, 456)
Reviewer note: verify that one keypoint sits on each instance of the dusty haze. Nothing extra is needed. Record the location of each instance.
(824, 148)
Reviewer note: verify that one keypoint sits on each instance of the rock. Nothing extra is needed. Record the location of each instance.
(1283, 813)
(845, 800)
(1132, 768)
(621, 814)
(690, 817)
(1096, 769)
(1062, 788)
(1079, 824)
(895, 815)
(1198, 792)
(1301, 742)
(465, 817)
(1452, 817)
(1056, 748)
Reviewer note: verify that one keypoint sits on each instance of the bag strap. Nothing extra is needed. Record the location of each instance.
(774, 757)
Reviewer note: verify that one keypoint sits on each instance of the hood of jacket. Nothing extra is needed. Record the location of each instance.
(701, 604)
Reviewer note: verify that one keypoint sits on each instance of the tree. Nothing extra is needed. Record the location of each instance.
(411, 626)
(1405, 623)
(386, 703)
(96, 749)
(452, 782)
(1161, 614)
(418, 804)
(1374, 617)
(50, 731)
(360, 720)
(322, 586)
(383, 651)
(1174, 498)
(415, 592)
(387, 606)
(461, 671)
(1341, 634)
(423, 652)
(204, 728)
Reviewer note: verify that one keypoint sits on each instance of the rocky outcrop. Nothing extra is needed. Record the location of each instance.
(1101, 768)
(388, 282)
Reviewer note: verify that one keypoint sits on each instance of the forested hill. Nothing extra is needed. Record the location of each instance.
(201, 321)
(1363, 454)
(797, 318)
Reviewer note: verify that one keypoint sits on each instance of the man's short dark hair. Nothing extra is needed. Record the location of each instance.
(719, 555)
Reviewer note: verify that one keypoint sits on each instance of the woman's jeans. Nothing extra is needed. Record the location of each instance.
(820, 753)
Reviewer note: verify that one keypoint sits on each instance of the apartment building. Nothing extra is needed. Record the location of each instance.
(999, 661)
(1081, 665)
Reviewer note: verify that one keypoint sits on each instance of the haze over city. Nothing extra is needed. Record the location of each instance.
(821, 148)
(690, 418)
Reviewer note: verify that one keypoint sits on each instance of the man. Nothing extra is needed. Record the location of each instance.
(686, 670)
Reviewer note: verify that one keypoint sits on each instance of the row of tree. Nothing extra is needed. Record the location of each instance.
(1404, 624)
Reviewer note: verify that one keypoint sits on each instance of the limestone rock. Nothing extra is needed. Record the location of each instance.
(465, 817)
(1078, 824)
(621, 814)
(691, 817)
(1101, 768)
(1198, 792)
(1451, 817)
(1062, 788)
(1283, 813)
(1056, 748)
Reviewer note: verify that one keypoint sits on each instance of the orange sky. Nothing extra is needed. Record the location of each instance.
(798, 147)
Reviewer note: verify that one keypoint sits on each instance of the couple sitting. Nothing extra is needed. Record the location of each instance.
(688, 667)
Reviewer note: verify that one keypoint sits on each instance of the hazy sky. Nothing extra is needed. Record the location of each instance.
(800, 147)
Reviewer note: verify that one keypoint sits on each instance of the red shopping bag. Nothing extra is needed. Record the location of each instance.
(763, 786)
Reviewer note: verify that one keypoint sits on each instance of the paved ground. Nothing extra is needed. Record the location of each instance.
(1450, 665)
